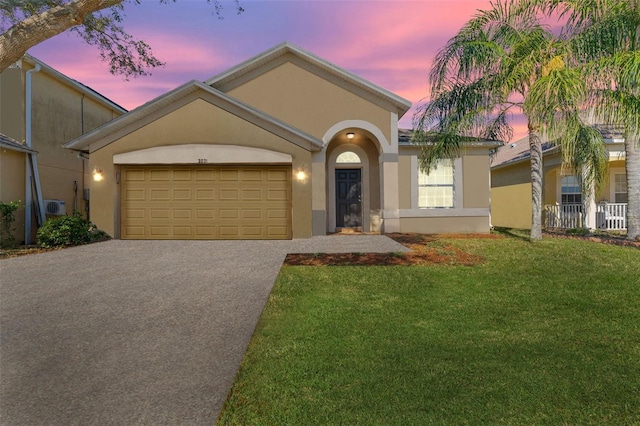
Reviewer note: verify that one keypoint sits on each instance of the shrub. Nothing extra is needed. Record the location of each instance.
(68, 231)
(7, 217)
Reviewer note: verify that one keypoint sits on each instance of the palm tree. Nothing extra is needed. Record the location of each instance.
(502, 62)
(606, 44)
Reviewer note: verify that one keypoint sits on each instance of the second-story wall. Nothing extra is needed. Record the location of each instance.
(62, 109)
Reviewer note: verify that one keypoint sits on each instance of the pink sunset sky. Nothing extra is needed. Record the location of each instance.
(390, 43)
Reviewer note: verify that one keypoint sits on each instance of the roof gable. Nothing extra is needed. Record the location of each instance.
(150, 111)
(263, 61)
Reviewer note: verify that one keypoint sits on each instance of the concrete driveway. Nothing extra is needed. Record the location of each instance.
(137, 332)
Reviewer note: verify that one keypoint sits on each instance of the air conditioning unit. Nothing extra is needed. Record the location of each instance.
(55, 207)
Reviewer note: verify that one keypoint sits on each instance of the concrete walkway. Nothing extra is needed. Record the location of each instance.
(137, 332)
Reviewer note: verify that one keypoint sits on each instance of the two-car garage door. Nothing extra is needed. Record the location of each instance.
(205, 202)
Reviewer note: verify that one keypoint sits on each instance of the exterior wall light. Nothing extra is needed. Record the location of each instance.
(301, 175)
(98, 175)
(351, 135)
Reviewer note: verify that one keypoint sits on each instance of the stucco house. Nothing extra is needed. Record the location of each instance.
(283, 145)
(564, 203)
(40, 110)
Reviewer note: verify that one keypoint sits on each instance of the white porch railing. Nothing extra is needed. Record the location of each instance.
(611, 216)
(563, 216)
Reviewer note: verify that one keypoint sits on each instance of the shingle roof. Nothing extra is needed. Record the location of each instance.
(610, 132)
(519, 150)
(14, 145)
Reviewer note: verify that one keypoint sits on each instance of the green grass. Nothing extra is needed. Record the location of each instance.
(544, 333)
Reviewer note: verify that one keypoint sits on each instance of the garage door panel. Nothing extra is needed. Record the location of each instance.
(252, 214)
(205, 194)
(255, 175)
(207, 214)
(182, 214)
(206, 202)
(229, 175)
(205, 175)
(182, 194)
(184, 175)
(278, 175)
(159, 195)
(205, 232)
(160, 175)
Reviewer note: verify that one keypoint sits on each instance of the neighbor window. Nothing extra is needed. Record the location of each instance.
(620, 188)
(571, 191)
(435, 189)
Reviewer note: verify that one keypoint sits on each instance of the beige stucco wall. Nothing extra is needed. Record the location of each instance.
(12, 166)
(511, 206)
(291, 91)
(607, 192)
(194, 120)
(443, 225)
(511, 175)
(60, 113)
(404, 181)
(476, 178)
(12, 104)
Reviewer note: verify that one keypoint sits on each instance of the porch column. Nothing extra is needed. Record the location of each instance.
(318, 193)
(390, 201)
(589, 215)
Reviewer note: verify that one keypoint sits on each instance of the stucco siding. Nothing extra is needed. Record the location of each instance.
(60, 113)
(12, 104)
(12, 167)
(511, 206)
(476, 179)
(308, 101)
(404, 181)
(511, 175)
(442, 225)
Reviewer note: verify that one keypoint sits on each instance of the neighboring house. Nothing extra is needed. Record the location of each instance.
(564, 204)
(40, 110)
(284, 145)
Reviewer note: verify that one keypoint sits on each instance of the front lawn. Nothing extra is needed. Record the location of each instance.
(545, 333)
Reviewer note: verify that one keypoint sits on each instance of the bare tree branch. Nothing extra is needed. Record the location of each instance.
(42, 26)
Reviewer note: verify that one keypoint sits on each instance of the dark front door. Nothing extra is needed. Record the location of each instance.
(348, 198)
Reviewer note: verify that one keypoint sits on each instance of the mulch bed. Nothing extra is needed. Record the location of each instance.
(426, 250)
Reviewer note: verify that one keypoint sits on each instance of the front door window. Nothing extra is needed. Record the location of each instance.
(348, 198)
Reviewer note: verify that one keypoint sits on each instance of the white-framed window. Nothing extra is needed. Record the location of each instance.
(436, 189)
(620, 188)
(571, 192)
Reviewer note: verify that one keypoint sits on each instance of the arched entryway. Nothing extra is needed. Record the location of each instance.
(353, 181)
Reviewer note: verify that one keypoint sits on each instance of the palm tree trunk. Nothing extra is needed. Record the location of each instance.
(632, 167)
(535, 148)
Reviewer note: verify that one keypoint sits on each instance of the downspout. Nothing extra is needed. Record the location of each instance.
(29, 175)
